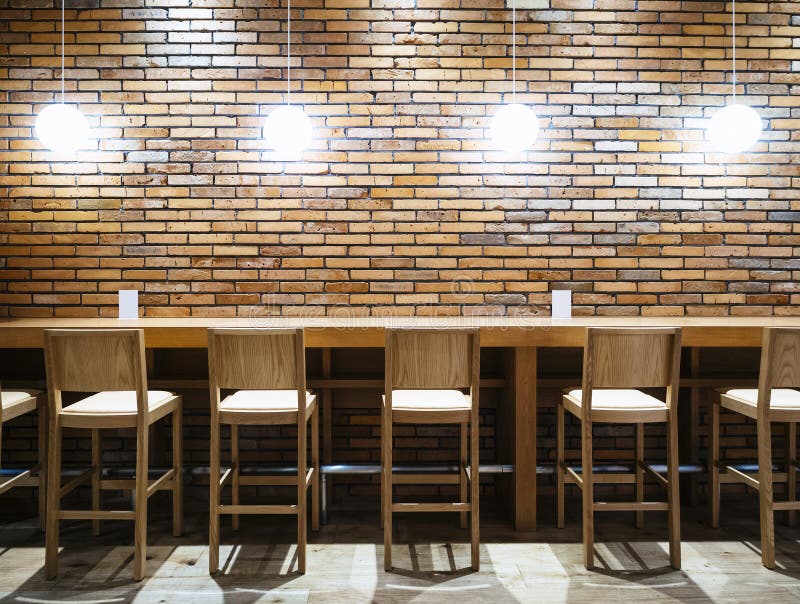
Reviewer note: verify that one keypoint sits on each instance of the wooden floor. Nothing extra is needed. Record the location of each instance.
(431, 556)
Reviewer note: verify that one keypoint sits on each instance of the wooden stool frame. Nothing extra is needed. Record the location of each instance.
(37, 475)
(433, 359)
(261, 359)
(779, 368)
(625, 359)
(106, 361)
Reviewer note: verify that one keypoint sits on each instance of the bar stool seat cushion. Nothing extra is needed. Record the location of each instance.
(245, 406)
(430, 406)
(116, 409)
(430, 400)
(18, 402)
(618, 405)
(784, 402)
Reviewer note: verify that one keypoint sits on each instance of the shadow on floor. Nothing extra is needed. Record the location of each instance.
(430, 555)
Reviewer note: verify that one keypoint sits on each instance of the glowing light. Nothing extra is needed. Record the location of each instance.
(734, 128)
(514, 128)
(288, 131)
(62, 128)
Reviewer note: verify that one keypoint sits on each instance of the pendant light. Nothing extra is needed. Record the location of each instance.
(735, 127)
(288, 129)
(62, 128)
(514, 127)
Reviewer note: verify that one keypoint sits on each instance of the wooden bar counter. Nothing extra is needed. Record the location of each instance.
(358, 332)
(521, 336)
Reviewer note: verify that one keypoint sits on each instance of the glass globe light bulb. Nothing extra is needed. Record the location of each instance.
(288, 131)
(62, 128)
(734, 128)
(514, 128)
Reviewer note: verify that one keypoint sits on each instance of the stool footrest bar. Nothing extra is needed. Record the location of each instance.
(785, 505)
(654, 473)
(431, 507)
(19, 480)
(159, 483)
(73, 484)
(258, 509)
(425, 478)
(577, 479)
(742, 477)
(274, 481)
(96, 515)
(625, 506)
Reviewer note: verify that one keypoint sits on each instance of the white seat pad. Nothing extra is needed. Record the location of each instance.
(121, 402)
(9, 398)
(430, 400)
(620, 400)
(782, 398)
(263, 400)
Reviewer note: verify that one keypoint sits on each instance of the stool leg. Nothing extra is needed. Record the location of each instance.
(673, 494)
(639, 459)
(713, 467)
(235, 474)
(791, 469)
(560, 462)
(177, 470)
(213, 502)
(588, 494)
(97, 470)
(475, 484)
(763, 428)
(386, 446)
(53, 499)
(315, 464)
(463, 473)
(1, 435)
(42, 462)
(140, 502)
(301, 494)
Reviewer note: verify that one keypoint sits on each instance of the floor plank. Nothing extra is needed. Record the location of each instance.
(431, 555)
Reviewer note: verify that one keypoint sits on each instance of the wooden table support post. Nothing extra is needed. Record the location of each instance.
(694, 427)
(521, 399)
(326, 410)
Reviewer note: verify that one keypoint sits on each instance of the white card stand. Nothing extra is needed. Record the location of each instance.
(128, 304)
(562, 304)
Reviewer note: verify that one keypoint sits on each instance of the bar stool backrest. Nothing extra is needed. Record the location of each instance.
(432, 359)
(631, 358)
(780, 362)
(257, 359)
(95, 360)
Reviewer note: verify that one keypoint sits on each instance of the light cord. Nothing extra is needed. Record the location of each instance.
(513, 51)
(62, 51)
(289, 53)
(733, 21)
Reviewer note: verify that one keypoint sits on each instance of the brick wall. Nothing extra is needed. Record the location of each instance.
(401, 206)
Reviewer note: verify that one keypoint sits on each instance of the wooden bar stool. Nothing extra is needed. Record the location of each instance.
(267, 370)
(616, 363)
(109, 363)
(427, 372)
(775, 400)
(13, 404)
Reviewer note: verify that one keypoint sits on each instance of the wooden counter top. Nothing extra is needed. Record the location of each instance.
(184, 332)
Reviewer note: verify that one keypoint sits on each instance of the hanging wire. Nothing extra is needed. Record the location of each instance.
(513, 51)
(62, 51)
(733, 21)
(289, 53)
